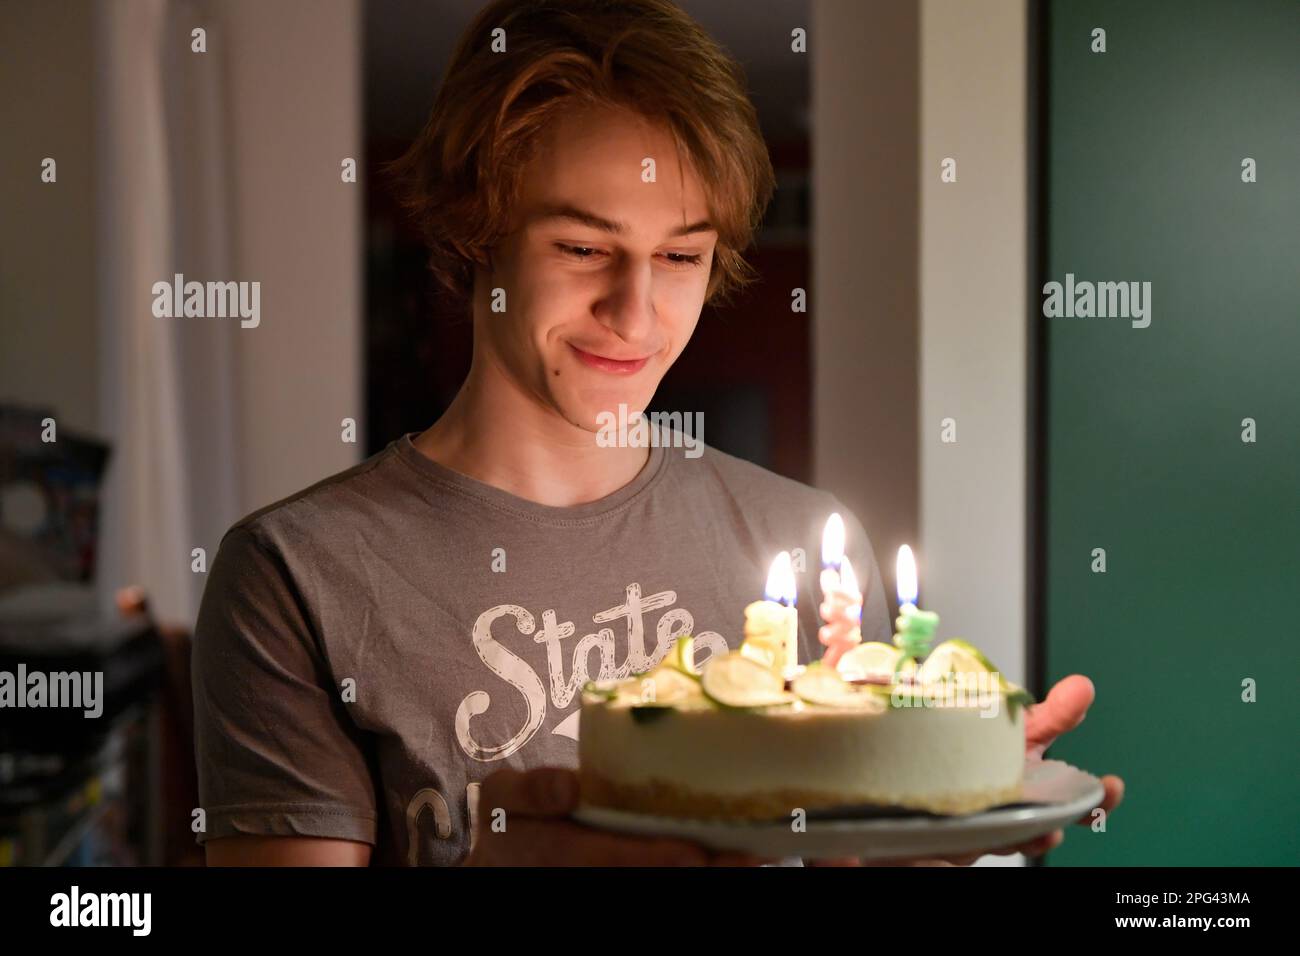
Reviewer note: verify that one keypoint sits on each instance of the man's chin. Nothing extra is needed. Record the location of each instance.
(601, 418)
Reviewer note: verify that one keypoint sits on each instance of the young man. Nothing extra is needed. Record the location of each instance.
(387, 660)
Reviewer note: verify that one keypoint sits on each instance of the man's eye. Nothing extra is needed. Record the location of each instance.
(588, 252)
(683, 259)
(578, 252)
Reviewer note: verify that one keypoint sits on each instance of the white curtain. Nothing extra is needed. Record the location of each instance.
(167, 386)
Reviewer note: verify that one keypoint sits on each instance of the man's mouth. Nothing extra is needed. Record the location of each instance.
(604, 363)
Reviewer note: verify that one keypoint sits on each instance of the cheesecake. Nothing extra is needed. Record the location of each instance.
(736, 740)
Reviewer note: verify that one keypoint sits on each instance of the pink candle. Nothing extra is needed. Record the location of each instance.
(841, 606)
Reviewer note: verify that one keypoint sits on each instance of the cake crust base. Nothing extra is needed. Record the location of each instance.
(660, 798)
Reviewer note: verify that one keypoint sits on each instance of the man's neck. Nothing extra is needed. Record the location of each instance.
(497, 433)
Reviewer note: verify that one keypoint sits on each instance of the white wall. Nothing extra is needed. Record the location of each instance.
(918, 301)
(973, 327)
(973, 322)
(864, 297)
(295, 87)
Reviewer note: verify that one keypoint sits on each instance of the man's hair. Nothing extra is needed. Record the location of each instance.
(461, 175)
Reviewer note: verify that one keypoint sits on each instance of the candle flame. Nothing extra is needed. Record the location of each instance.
(848, 580)
(833, 541)
(780, 581)
(906, 572)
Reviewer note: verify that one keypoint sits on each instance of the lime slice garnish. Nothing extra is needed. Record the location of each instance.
(954, 656)
(819, 684)
(665, 686)
(1017, 697)
(682, 656)
(736, 680)
(873, 659)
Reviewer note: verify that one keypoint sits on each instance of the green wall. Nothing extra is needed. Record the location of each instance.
(1144, 451)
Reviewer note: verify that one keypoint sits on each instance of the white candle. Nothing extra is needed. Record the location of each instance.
(772, 625)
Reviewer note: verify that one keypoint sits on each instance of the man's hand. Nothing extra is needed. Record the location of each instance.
(1063, 709)
(286, 851)
(537, 832)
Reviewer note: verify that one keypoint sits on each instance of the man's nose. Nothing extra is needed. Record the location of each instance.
(628, 306)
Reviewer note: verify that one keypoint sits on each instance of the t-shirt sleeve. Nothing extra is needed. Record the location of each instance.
(277, 752)
(876, 625)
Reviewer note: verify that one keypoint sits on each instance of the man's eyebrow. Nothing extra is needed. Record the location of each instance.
(593, 221)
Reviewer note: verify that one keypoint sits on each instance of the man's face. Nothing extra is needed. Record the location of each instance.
(604, 273)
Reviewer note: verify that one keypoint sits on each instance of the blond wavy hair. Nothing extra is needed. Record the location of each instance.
(460, 177)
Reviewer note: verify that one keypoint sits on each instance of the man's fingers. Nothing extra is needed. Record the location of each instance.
(836, 861)
(1037, 846)
(594, 848)
(529, 841)
(131, 600)
(1062, 710)
(926, 862)
(1114, 792)
(543, 792)
(1114, 787)
(738, 859)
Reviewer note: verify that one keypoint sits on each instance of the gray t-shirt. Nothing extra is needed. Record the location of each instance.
(369, 649)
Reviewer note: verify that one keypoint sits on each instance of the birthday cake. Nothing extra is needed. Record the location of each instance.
(749, 736)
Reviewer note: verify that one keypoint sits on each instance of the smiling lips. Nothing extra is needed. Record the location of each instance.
(617, 366)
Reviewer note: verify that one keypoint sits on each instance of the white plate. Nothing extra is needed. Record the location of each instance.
(1055, 795)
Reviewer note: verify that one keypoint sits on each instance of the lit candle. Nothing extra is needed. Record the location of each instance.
(915, 628)
(772, 625)
(842, 600)
(833, 542)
